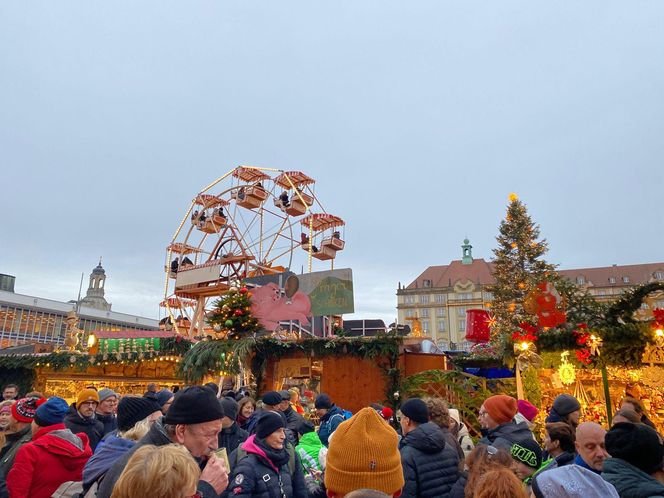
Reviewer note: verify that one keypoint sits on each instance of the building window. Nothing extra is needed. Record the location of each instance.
(426, 283)
(425, 325)
(461, 311)
(425, 312)
(439, 298)
(424, 299)
(659, 275)
(488, 296)
(440, 312)
(625, 280)
(580, 280)
(462, 325)
(409, 299)
(612, 280)
(441, 326)
(410, 313)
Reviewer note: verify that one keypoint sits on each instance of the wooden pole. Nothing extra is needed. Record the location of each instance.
(607, 396)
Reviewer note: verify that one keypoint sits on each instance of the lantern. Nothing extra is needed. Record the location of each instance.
(477, 326)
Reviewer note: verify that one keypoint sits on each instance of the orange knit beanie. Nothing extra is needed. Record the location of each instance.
(87, 395)
(364, 454)
(501, 408)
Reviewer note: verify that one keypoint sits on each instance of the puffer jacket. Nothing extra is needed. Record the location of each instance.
(629, 481)
(505, 435)
(430, 467)
(257, 476)
(105, 456)
(92, 427)
(232, 437)
(55, 455)
(329, 423)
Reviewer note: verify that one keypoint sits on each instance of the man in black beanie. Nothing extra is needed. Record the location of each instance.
(566, 408)
(636, 456)
(430, 468)
(231, 436)
(194, 421)
(293, 419)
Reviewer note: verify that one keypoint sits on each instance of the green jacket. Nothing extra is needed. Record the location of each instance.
(308, 449)
(629, 481)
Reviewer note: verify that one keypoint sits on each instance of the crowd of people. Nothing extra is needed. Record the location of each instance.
(202, 443)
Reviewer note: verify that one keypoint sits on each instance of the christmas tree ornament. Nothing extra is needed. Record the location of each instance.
(566, 371)
(228, 323)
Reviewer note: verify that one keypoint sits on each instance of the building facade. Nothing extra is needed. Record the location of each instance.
(28, 319)
(440, 296)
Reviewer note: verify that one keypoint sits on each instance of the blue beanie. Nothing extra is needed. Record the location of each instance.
(52, 412)
(163, 396)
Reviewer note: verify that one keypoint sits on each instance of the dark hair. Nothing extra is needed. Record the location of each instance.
(638, 407)
(563, 433)
(629, 414)
(10, 386)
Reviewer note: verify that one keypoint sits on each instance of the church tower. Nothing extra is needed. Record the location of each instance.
(467, 258)
(94, 297)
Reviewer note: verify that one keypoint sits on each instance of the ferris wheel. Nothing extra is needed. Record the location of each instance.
(249, 222)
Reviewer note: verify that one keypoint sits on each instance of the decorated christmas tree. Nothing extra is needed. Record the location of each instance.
(520, 274)
(231, 316)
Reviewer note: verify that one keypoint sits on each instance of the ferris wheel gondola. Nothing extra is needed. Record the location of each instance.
(235, 233)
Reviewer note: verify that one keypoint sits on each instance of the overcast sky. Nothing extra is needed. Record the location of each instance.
(417, 119)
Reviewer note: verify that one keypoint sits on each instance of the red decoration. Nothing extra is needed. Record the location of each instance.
(477, 326)
(548, 302)
(528, 333)
(658, 313)
(238, 312)
(244, 290)
(582, 335)
(583, 355)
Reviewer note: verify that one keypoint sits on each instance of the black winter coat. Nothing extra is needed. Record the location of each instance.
(255, 476)
(92, 427)
(232, 437)
(459, 488)
(430, 467)
(505, 435)
(293, 421)
(110, 422)
(157, 437)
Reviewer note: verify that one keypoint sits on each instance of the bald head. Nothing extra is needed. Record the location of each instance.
(590, 444)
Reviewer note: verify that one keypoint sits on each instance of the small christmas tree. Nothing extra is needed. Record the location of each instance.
(518, 268)
(231, 316)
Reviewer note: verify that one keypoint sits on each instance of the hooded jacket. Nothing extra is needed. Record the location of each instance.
(309, 451)
(630, 481)
(92, 427)
(505, 435)
(329, 423)
(430, 468)
(55, 455)
(257, 476)
(156, 436)
(105, 456)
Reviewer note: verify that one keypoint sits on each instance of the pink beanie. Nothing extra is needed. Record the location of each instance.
(527, 409)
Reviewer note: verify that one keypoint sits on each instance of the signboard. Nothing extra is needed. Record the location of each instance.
(198, 275)
(290, 297)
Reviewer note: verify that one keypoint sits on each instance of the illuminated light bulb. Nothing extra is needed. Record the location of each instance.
(659, 333)
(524, 346)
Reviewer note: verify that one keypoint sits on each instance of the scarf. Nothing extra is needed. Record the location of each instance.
(277, 457)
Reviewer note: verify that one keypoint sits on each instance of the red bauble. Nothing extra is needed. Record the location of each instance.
(244, 290)
(238, 312)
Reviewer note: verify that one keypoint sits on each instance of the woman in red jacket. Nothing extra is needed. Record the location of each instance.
(54, 456)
